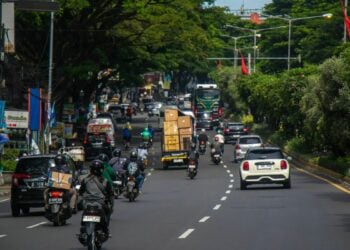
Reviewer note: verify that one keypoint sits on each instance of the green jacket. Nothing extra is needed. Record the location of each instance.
(145, 135)
(109, 173)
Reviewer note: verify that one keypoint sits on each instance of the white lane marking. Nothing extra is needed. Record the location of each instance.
(221, 162)
(217, 207)
(2, 235)
(232, 180)
(224, 198)
(5, 200)
(230, 186)
(231, 175)
(152, 169)
(204, 219)
(225, 166)
(145, 179)
(228, 171)
(36, 225)
(228, 191)
(186, 233)
(149, 174)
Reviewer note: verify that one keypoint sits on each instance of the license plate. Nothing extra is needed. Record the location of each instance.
(39, 184)
(263, 167)
(96, 145)
(235, 136)
(55, 201)
(217, 156)
(192, 166)
(117, 182)
(178, 160)
(91, 218)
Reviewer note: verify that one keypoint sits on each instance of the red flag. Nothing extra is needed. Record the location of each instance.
(244, 69)
(346, 18)
(255, 18)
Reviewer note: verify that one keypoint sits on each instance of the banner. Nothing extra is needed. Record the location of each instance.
(16, 119)
(2, 115)
(34, 108)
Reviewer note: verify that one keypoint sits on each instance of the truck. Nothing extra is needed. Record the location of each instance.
(178, 131)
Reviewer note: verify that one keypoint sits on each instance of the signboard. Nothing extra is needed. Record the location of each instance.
(2, 118)
(17, 119)
(68, 112)
(8, 19)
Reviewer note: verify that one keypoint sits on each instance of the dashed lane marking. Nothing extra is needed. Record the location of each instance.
(37, 225)
(225, 166)
(217, 207)
(231, 175)
(221, 162)
(230, 186)
(228, 171)
(5, 200)
(204, 219)
(149, 174)
(232, 180)
(152, 169)
(228, 191)
(145, 179)
(2, 235)
(186, 233)
(223, 198)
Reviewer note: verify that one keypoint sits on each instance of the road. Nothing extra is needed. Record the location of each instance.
(209, 212)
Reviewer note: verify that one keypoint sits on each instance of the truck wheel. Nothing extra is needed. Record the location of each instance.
(165, 166)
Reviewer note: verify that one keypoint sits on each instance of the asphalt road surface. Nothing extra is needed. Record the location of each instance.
(209, 212)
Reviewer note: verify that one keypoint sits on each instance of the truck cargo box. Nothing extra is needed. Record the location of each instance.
(184, 122)
(171, 114)
(170, 128)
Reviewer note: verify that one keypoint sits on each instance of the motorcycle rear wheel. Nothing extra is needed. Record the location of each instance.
(91, 242)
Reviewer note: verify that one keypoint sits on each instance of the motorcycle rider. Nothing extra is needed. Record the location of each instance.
(142, 154)
(216, 147)
(139, 174)
(151, 131)
(97, 189)
(221, 140)
(117, 163)
(127, 134)
(202, 137)
(61, 167)
(108, 173)
(146, 135)
(194, 155)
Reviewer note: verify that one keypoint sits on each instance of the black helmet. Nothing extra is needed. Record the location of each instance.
(133, 156)
(60, 160)
(193, 146)
(117, 152)
(103, 157)
(96, 167)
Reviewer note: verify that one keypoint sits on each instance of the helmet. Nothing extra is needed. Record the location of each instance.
(60, 160)
(133, 156)
(103, 157)
(216, 138)
(193, 146)
(96, 167)
(117, 152)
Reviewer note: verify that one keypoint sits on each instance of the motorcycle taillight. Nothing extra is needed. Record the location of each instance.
(131, 178)
(55, 194)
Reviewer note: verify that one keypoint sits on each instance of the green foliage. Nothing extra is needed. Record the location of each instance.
(278, 138)
(8, 159)
(248, 120)
(297, 144)
(338, 164)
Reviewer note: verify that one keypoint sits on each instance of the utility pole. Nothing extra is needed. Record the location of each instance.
(346, 11)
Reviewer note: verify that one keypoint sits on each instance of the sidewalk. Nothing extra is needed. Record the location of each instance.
(5, 190)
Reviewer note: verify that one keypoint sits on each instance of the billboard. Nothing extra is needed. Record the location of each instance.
(16, 119)
(8, 19)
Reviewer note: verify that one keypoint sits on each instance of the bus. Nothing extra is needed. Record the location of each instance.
(207, 97)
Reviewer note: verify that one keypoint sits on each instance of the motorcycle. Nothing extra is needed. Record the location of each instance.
(148, 142)
(59, 210)
(202, 147)
(118, 185)
(91, 232)
(131, 191)
(191, 170)
(216, 157)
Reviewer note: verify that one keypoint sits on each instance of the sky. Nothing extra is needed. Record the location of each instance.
(248, 4)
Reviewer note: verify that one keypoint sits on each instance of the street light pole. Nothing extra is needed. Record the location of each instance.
(49, 91)
(346, 11)
(289, 40)
(254, 51)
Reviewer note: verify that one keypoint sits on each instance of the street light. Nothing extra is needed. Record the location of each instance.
(255, 36)
(290, 20)
(235, 38)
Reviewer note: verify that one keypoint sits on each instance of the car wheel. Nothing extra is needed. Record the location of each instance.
(243, 185)
(25, 210)
(15, 209)
(287, 184)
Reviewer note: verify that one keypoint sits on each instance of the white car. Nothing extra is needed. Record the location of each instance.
(265, 165)
(243, 143)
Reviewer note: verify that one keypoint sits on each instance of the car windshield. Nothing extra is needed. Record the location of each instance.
(250, 140)
(208, 93)
(203, 115)
(264, 154)
(34, 165)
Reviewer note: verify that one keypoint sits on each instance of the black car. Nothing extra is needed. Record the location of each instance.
(29, 181)
(233, 130)
(204, 120)
(97, 143)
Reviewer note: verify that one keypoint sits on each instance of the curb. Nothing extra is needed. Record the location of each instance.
(320, 171)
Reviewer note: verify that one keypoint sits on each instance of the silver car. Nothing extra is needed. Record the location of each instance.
(243, 143)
